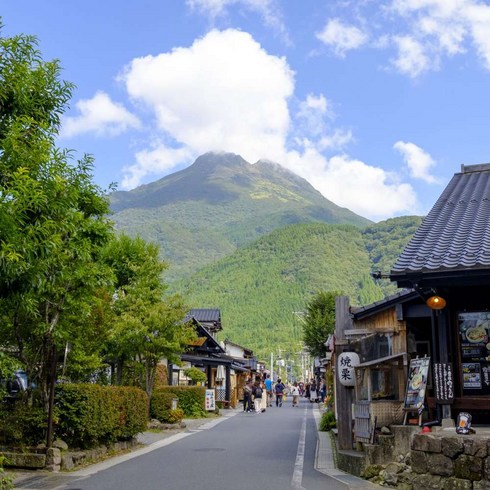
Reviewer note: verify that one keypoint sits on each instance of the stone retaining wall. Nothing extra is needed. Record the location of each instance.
(59, 457)
(438, 461)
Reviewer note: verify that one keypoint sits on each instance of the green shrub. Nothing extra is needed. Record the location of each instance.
(191, 399)
(327, 421)
(6, 481)
(23, 425)
(196, 375)
(161, 404)
(174, 416)
(89, 415)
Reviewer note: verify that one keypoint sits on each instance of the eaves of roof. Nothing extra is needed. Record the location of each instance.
(455, 235)
(401, 297)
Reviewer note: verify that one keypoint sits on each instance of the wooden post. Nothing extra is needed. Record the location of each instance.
(344, 395)
(228, 383)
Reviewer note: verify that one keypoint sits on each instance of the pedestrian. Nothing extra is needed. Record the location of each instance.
(295, 393)
(257, 391)
(268, 390)
(247, 396)
(279, 392)
(313, 392)
(307, 391)
(323, 390)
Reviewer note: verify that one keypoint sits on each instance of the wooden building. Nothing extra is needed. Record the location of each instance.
(443, 313)
(448, 263)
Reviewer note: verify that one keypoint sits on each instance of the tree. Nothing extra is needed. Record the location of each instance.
(147, 325)
(53, 217)
(319, 322)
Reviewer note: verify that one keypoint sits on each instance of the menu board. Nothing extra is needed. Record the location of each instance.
(474, 334)
(444, 382)
(416, 383)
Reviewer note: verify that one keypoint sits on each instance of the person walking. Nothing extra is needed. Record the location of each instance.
(295, 394)
(247, 396)
(257, 391)
(313, 392)
(279, 392)
(268, 390)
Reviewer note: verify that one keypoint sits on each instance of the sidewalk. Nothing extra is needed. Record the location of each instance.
(325, 460)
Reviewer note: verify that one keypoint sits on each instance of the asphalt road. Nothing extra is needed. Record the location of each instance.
(268, 451)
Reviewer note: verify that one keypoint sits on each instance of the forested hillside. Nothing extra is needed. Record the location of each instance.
(261, 287)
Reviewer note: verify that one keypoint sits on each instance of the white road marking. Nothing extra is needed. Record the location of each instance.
(300, 457)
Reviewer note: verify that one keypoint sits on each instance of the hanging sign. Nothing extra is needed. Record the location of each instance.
(416, 383)
(346, 363)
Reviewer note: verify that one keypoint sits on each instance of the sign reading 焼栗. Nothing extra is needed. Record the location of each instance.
(346, 363)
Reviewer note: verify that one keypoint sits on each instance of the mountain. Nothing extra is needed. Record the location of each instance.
(220, 203)
(263, 287)
(258, 241)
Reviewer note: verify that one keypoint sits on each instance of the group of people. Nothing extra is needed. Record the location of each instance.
(255, 393)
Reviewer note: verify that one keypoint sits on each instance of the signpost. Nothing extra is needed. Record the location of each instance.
(416, 386)
(210, 400)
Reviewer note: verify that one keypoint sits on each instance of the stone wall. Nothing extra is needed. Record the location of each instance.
(59, 457)
(438, 461)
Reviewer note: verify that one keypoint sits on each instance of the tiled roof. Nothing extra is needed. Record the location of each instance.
(206, 314)
(455, 235)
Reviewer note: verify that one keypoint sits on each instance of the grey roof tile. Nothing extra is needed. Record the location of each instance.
(456, 232)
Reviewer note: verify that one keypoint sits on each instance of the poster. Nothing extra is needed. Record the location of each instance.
(210, 400)
(471, 375)
(416, 383)
(474, 334)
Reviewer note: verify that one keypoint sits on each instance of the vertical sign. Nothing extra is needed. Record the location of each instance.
(444, 382)
(416, 383)
(346, 363)
(210, 400)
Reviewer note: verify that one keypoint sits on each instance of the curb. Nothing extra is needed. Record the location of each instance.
(325, 461)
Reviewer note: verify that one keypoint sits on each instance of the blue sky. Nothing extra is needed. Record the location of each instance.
(376, 103)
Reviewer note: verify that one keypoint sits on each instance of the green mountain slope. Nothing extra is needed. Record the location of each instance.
(210, 209)
(261, 287)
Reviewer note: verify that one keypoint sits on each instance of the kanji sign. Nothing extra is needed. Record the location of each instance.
(346, 363)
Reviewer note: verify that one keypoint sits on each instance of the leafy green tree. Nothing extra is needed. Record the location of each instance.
(319, 322)
(147, 324)
(53, 219)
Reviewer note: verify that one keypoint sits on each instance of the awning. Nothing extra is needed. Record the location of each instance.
(384, 360)
(213, 361)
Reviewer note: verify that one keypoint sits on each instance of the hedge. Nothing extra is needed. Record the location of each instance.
(88, 415)
(191, 399)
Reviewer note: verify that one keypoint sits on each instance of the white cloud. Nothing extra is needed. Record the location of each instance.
(367, 190)
(224, 93)
(159, 159)
(418, 161)
(411, 59)
(99, 115)
(337, 140)
(443, 27)
(341, 37)
(312, 113)
(268, 9)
